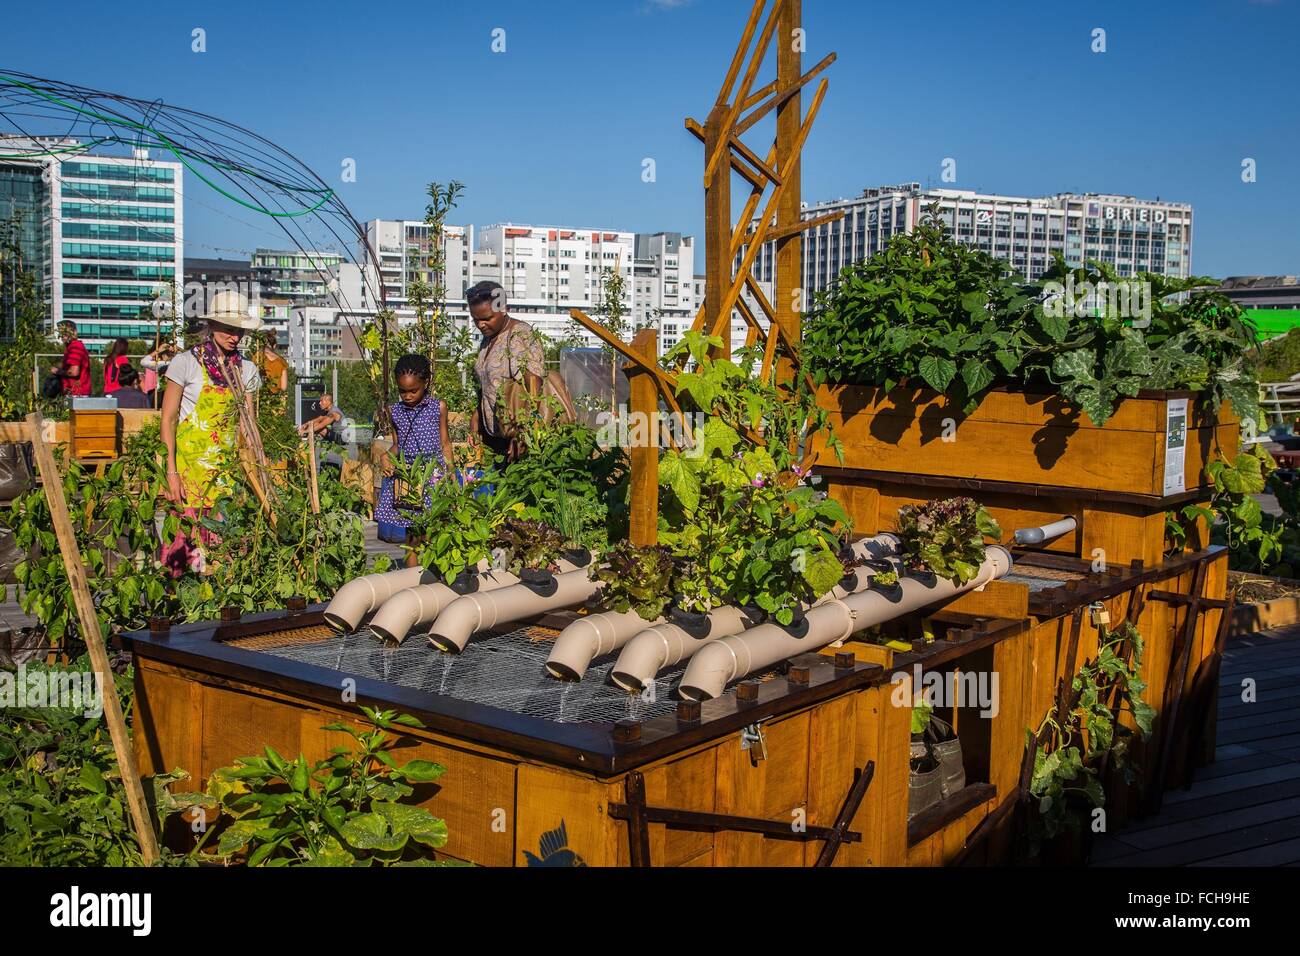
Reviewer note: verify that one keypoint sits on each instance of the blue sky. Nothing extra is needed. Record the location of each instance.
(554, 130)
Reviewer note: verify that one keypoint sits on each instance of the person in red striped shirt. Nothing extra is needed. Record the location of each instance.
(74, 370)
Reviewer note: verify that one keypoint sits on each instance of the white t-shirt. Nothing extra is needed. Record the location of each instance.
(187, 372)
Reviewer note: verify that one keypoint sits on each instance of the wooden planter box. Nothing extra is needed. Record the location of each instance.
(1022, 438)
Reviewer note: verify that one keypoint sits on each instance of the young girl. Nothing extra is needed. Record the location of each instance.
(420, 423)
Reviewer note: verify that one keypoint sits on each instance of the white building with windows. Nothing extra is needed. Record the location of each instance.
(1134, 235)
(112, 235)
(547, 270)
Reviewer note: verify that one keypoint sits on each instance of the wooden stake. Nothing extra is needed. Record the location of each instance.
(85, 607)
(311, 470)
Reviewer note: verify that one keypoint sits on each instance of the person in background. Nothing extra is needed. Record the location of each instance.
(155, 364)
(74, 369)
(324, 419)
(420, 431)
(273, 369)
(128, 393)
(511, 350)
(200, 420)
(114, 360)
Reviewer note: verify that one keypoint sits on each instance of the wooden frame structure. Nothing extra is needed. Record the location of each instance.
(774, 184)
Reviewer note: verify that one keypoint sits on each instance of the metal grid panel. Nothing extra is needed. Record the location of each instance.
(505, 671)
(1042, 579)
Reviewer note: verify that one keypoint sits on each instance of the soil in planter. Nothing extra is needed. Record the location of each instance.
(1258, 588)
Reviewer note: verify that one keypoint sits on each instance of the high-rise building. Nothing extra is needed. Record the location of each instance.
(663, 271)
(1133, 235)
(111, 233)
(22, 199)
(401, 248)
(301, 276)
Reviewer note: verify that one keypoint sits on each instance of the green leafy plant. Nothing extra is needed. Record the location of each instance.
(456, 531)
(529, 544)
(929, 310)
(345, 810)
(1256, 541)
(636, 578)
(1071, 750)
(946, 537)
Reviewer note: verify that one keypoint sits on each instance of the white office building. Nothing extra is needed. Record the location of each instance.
(112, 234)
(1133, 235)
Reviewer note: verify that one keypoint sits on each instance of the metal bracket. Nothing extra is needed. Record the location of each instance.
(638, 816)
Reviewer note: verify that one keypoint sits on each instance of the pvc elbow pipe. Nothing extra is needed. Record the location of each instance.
(474, 612)
(663, 645)
(732, 658)
(360, 596)
(588, 638)
(420, 605)
(1045, 532)
(666, 644)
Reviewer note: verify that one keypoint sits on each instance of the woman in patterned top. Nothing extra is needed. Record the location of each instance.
(511, 351)
(420, 427)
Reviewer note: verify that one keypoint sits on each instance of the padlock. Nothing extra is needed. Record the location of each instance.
(752, 739)
(1098, 614)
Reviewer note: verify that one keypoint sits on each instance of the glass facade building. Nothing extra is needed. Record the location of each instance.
(22, 198)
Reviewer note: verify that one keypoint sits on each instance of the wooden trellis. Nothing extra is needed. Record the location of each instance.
(774, 183)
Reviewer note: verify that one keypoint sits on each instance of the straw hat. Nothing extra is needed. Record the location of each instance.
(229, 307)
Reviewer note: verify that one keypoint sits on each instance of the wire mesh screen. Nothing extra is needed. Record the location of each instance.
(1042, 579)
(505, 671)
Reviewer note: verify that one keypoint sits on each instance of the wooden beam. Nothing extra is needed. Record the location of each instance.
(727, 116)
(785, 94)
(752, 158)
(788, 271)
(803, 225)
(667, 382)
(724, 93)
(754, 178)
(643, 399)
(89, 620)
(723, 311)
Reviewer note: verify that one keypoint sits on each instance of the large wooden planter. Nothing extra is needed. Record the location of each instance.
(1022, 438)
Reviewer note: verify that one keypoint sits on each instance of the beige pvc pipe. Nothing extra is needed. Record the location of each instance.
(718, 663)
(360, 596)
(590, 637)
(570, 658)
(415, 607)
(473, 612)
(664, 645)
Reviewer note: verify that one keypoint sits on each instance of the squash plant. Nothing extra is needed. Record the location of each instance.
(1071, 750)
(929, 310)
(345, 810)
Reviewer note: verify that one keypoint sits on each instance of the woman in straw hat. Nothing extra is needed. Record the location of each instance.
(200, 419)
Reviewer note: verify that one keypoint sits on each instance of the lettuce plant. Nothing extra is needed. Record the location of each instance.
(946, 538)
(529, 544)
(636, 579)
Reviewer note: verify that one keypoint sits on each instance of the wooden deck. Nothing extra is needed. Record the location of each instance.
(1244, 809)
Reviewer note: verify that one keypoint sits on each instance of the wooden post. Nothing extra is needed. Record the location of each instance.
(85, 607)
(717, 230)
(643, 400)
(789, 248)
(311, 471)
